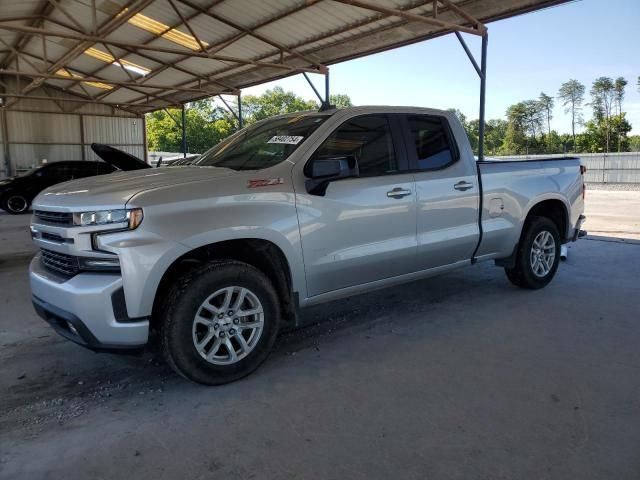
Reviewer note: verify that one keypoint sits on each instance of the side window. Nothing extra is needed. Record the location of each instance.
(432, 142)
(368, 139)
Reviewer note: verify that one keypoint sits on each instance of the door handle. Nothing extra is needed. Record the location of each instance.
(462, 186)
(398, 192)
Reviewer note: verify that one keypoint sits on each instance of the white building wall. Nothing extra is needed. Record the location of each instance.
(38, 130)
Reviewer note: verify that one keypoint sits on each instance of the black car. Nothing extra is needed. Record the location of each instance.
(17, 193)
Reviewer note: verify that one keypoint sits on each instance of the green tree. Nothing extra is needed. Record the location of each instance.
(515, 139)
(546, 104)
(594, 138)
(470, 128)
(553, 143)
(494, 134)
(634, 143)
(208, 123)
(164, 130)
(619, 86)
(603, 95)
(534, 116)
(274, 102)
(340, 100)
(571, 94)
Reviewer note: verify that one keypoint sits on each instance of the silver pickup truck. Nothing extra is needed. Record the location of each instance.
(218, 256)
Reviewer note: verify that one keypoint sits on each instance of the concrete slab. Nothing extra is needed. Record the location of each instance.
(14, 234)
(613, 213)
(457, 377)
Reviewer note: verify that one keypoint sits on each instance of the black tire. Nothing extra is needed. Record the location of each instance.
(181, 305)
(523, 275)
(15, 203)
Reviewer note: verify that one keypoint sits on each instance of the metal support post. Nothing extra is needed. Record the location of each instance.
(326, 89)
(315, 90)
(184, 132)
(483, 89)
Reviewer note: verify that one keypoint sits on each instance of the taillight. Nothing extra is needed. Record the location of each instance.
(583, 170)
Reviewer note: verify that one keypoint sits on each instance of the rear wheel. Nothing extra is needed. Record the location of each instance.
(220, 322)
(538, 255)
(15, 203)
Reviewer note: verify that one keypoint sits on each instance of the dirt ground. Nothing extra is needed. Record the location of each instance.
(457, 377)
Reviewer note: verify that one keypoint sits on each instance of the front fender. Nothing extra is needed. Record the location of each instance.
(289, 244)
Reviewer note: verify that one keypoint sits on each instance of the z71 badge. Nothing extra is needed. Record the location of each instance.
(267, 182)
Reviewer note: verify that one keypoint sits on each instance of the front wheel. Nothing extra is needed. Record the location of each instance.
(15, 203)
(220, 323)
(538, 255)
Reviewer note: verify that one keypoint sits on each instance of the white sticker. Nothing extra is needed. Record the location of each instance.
(288, 139)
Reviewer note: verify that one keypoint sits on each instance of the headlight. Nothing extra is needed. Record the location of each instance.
(131, 216)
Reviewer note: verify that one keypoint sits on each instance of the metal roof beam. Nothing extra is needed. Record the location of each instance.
(233, 38)
(394, 12)
(252, 32)
(86, 100)
(50, 76)
(43, 9)
(186, 24)
(166, 65)
(130, 9)
(217, 73)
(469, 18)
(92, 39)
(66, 13)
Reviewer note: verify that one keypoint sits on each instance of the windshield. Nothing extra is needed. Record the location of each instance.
(262, 145)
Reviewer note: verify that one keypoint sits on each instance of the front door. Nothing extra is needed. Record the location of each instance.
(363, 228)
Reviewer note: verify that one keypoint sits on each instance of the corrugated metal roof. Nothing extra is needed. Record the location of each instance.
(246, 41)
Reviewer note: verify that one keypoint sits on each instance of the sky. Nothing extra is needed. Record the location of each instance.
(527, 55)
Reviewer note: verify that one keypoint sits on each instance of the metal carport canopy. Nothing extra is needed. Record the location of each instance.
(142, 55)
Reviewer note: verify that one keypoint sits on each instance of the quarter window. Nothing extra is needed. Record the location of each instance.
(431, 140)
(368, 140)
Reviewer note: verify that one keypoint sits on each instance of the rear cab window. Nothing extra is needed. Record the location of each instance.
(430, 140)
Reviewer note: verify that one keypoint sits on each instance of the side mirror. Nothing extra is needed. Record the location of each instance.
(326, 169)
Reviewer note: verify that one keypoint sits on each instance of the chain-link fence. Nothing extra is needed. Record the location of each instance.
(601, 167)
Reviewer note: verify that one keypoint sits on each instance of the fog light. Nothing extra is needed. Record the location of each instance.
(100, 264)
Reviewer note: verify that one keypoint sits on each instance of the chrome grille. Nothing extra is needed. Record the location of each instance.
(60, 218)
(60, 262)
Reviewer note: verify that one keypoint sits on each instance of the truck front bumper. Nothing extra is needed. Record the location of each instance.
(87, 309)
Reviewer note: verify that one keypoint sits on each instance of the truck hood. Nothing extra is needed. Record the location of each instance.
(115, 190)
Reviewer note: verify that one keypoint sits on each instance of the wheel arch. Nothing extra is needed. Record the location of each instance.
(553, 208)
(263, 254)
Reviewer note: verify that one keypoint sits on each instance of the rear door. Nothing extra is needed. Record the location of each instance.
(447, 192)
(363, 228)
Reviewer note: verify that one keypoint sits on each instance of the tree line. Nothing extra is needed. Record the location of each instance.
(527, 128)
(208, 122)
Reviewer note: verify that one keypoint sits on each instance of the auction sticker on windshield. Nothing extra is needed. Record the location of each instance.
(287, 139)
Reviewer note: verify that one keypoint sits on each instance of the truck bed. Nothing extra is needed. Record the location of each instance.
(511, 187)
